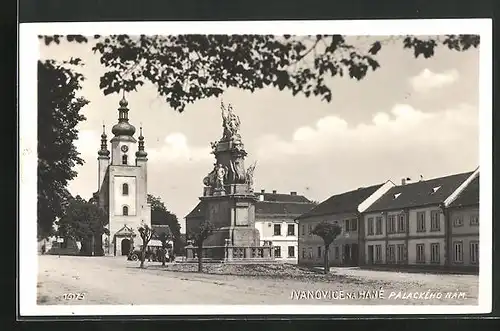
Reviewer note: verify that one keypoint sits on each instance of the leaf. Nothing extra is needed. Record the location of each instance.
(376, 46)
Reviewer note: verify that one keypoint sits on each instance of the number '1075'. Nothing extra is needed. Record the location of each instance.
(73, 296)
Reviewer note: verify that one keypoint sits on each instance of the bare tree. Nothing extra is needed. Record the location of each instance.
(146, 233)
(328, 232)
(199, 235)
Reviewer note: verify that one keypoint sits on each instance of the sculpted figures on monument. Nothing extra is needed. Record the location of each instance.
(221, 172)
(231, 123)
(249, 175)
(209, 180)
(239, 171)
(213, 145)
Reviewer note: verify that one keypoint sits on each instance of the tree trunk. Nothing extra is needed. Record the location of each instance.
(200, 258)
(326, 256)
(143, 256)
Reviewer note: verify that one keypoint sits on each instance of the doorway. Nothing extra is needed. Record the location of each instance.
(370, 254)
(125, 246)
(347, 254)
(354, 254)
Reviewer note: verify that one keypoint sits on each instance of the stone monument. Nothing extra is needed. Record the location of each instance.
(228, 189)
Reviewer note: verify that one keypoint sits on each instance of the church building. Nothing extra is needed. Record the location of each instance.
(122, 185)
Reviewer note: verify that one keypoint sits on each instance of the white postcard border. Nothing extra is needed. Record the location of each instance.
(29, 54)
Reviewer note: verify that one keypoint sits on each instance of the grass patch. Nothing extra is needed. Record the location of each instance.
(271, 271)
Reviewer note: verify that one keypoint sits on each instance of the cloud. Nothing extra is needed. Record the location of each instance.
(402, 128)
(176, 149)
(427, 80)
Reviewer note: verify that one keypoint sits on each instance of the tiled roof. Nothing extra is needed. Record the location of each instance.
(197, 211)
(273, 204)
(347, 202)
(469, 196)
(422, 193)
(159, 229)
(282, 208)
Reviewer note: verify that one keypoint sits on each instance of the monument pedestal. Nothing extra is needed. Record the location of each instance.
(233, 215)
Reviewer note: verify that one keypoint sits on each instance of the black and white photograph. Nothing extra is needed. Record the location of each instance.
(323, 167)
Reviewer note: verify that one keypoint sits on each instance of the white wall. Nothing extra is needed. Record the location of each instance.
(412, 250)
(121, 200)
(428, 232)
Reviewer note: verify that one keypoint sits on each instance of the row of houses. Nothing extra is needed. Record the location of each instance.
(429, 223)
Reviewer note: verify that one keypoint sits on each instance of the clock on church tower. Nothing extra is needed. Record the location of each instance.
(124, 148)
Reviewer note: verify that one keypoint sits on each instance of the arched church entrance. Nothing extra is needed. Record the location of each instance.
(125, 246)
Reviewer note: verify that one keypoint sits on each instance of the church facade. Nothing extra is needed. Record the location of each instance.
(122, 185)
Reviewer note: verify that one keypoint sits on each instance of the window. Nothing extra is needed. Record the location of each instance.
(354, 224)
(310, 249)
(303, 253)
(391, 258)
(378, 225)
(370, 226)
(291, 230)
(474, 220)
(337, 252)
(474, 252)
(346, 225)
(303, 230)
(391, 224)
(277, 251)
(124, 159)
(435, 224)
(125, 189)
(421, 221)
(401, 223)
(458, 221)
(277, 229)
(310, 228)
(420, 253)
(435, 253)
(125, 211)
(458, 252)
(378, 253)
(291, 251)
(319, 251)
(400, 253)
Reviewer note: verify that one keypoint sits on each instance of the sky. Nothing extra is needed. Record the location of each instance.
(410, 118)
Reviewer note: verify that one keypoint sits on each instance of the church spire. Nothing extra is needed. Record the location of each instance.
(123, 127)
(141, 153)
(104, 143)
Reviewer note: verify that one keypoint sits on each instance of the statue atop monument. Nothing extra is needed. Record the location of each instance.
(229, 167)
(230, 123)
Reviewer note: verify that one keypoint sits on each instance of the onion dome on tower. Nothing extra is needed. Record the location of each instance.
(104, 145)
(141, 153)
(123, 128)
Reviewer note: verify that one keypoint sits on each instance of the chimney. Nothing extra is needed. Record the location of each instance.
(274, 191)
(262, 191)
(293, 193)
(404, 181)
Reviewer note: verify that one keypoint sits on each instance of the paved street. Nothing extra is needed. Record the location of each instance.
(109, 280)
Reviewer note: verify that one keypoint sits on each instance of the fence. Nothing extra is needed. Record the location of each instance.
(229, 253)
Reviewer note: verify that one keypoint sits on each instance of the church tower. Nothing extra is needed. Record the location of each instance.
(123, 185)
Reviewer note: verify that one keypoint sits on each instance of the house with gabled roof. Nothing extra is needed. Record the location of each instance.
(344, 209)
(463, 223)
(408, 225)
(275, 215)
